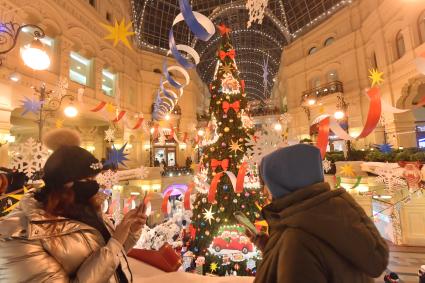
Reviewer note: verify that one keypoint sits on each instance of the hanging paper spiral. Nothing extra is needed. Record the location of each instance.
(203, 29)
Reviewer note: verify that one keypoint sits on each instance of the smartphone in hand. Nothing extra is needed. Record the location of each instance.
(244, 220)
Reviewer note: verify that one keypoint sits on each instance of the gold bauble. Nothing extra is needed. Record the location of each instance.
(226, 129)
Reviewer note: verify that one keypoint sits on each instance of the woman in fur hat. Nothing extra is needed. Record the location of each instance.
(58, 234)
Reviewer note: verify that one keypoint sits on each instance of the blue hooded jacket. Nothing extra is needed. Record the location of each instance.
(291, 168)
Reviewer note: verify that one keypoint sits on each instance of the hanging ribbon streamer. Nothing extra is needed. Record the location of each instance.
(186, 203)
(165, 202)
(330, 123)
(203, 29)
(99, 107)
(147, 203)
(213, 188)
(241, 177)
(119, 116)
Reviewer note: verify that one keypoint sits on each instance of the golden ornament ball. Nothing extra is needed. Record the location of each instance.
(226, 129)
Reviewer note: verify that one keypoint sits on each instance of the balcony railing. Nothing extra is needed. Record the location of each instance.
(265, 111)
(324, 90)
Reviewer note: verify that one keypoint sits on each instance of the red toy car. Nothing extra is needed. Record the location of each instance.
(232, 241)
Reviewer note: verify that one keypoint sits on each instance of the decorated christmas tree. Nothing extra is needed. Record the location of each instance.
(225, 181)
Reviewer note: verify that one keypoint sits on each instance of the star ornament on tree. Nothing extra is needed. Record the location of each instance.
(213, 267)
(208, 214)
(223, 29)
(235, 146)
(117, 156)
(119, 32)
(227, 68)
(376, 77)
(347, 170)
(32, 106)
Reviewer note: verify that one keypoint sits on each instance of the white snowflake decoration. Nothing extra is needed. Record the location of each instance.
(326, 165)
(262, 143)
(142, 172)
(391, 176)
(108, 179)
(256, 9)
(29, 157)
(110, 135)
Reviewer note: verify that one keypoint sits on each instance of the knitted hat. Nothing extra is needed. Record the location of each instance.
(291, 168)
(68, 162)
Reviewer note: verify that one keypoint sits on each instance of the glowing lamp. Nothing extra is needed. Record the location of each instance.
(35, 56)
(278, 127)
(70, 111)
(339, 115)
(167, 117)
(201, 133)
(311, 101)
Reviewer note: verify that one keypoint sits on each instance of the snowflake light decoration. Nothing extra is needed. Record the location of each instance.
(256, 9)
(391, 176)
(109, 135)
(29, 157)
(326, 165)
(200, 181)
(262, 143)
(247, 122)
(107, 179)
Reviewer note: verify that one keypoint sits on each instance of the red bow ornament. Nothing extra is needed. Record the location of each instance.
(223, 163)
(231, 54)
(235, 106)
(223, 29)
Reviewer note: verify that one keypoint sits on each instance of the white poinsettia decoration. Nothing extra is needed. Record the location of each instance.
(391, 175)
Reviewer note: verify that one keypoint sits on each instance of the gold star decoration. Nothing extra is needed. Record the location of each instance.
(213, 266)
(227, 68)
(376, 77)
(110, 108)
(347, 170)
(234, 146)
(208, 214)
(119, 32)
(59, 123)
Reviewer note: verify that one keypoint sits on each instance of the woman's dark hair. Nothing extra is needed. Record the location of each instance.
(61, 202)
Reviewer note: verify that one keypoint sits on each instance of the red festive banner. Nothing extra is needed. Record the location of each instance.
(323, 137)
(213, 188)
(138, 124)
(99, 107)
(119, 117)
(241, 177)
(187, 196)
(164, 207)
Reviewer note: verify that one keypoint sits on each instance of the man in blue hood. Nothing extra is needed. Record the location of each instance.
(316, 235)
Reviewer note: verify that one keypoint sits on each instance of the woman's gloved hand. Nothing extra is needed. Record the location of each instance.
(134, 220)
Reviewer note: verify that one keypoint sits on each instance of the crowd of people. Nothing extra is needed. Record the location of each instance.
(59, 234)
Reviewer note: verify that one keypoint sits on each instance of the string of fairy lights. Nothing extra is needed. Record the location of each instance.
(274, 37)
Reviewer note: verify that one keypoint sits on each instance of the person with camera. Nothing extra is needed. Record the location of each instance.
(58, 233)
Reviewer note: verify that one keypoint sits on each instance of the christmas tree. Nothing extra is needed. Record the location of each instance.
(222, 182)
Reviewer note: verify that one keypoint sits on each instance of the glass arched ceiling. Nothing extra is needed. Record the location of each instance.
(284, 20)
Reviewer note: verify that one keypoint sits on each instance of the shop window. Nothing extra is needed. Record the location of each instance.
(49, 44)
(80, 69)
(332, 76)
(312, 50)
(421, 27)
(400, 46)
(329, 41)
(108, 83)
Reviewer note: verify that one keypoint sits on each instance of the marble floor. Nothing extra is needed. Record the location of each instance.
(405, 261)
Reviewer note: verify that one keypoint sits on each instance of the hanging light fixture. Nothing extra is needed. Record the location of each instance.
(70, 111)
(339, 114)
(35, 56)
